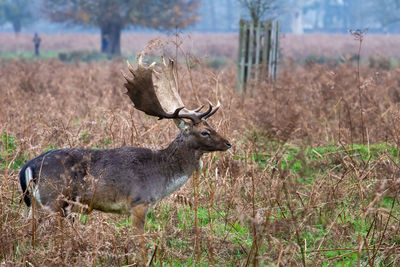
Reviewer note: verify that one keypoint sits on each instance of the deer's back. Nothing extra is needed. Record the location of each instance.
(108, 180)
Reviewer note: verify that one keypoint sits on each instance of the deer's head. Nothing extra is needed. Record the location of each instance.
(205, 138)
(159, 97)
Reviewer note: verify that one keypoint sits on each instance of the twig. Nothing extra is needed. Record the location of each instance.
(329, 229)
(359, 35)
(384, 230)
(152, 256)
(354, 249)
(196, 223)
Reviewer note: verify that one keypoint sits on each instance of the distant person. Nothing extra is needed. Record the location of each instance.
(36, 41)
(104, 43)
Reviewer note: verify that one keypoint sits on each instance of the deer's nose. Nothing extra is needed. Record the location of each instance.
(229, 145)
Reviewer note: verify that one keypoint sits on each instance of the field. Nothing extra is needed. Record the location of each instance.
(312, 178)
(218, 45)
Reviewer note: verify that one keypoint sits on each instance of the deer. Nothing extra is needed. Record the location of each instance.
(126, 180)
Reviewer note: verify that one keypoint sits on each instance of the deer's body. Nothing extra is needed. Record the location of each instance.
(114, 180)
(108, 180)
(128, 179)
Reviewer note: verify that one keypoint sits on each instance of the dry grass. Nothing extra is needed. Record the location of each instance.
(338, 45)
(295, 189)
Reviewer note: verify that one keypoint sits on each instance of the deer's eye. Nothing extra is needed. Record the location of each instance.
(205, 133)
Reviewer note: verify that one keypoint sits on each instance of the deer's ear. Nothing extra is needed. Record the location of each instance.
(182, 125)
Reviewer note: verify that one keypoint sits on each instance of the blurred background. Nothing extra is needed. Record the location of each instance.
(298, 17)
(213, 25)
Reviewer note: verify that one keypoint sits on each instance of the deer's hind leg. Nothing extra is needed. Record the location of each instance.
(138, 220)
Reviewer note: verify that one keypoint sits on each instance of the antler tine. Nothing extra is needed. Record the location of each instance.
(194, 115)
(163, 61)
(171, 62)
(129, 80)
(130, 68)
(199, 108)
(191, 111)
(205, 113)
(174, 115)
(140, 60)
(213, 110)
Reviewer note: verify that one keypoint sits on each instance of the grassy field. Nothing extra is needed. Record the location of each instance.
(297, 47)
(312, 178)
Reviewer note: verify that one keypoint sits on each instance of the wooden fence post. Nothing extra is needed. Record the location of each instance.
(242, 51)
(258, 52)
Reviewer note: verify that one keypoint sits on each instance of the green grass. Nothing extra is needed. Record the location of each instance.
(28, 55)
(310, 161)
(304, 165)
(86, 56)
(9, 155)
(239, 233)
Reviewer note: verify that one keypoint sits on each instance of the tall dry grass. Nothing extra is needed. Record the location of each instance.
(47, 104)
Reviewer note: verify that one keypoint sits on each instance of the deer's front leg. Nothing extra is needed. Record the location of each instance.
(138, 220)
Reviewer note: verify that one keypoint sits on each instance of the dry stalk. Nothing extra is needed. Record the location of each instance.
(196, 222)
(211, 215)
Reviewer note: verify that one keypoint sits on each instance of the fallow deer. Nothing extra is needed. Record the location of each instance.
(127, 179)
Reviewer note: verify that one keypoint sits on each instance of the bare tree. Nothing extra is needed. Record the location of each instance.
(17, 12)
(114, 16)
(258, 8)
(386, 12)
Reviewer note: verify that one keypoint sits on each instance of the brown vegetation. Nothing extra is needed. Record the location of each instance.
(46, 104)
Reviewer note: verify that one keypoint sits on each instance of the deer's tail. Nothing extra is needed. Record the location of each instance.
(25, 179)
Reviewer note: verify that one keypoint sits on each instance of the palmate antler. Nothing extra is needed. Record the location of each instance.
(155, 93)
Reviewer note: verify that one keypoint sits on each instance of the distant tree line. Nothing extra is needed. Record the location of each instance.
(300, 16)
(112, 16)
(17, 12)
(224, 15)
(341, 15)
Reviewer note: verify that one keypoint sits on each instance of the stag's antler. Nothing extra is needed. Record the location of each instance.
(159, 97)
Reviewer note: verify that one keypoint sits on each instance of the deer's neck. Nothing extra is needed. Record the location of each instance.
(178, 161)
(181, 157)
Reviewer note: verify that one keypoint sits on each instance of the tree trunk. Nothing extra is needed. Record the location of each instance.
(213, 21)
(111, 39)
(17, 26)
(229, 14)
(297, 21)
